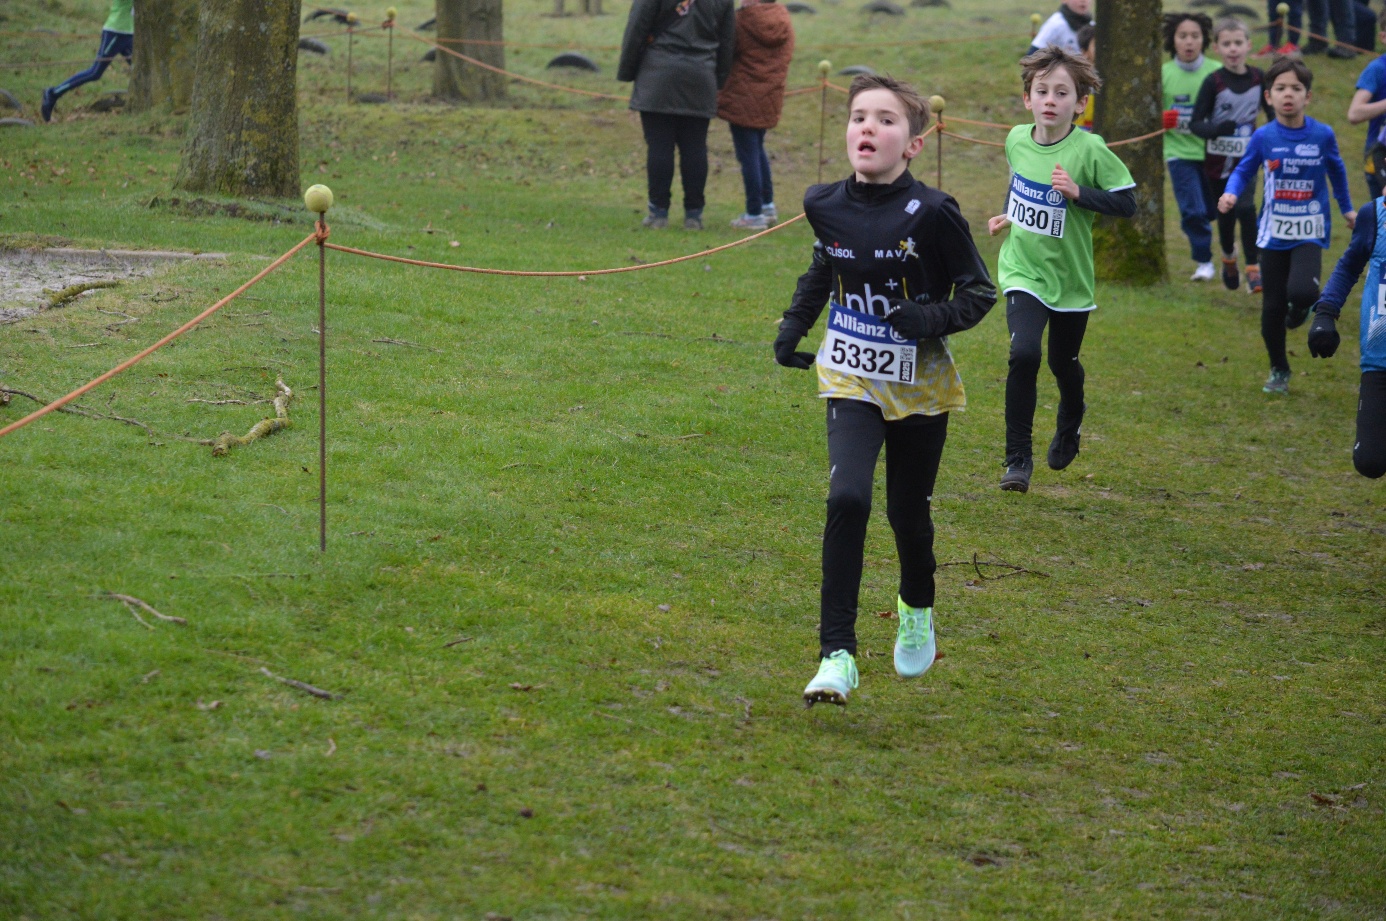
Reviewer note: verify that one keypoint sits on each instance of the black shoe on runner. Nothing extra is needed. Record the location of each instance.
(1017, 475)
(1064, 448)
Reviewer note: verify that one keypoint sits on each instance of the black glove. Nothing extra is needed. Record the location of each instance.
(784, 349)
(913, 320)
(1323, 336)
(1227, 128)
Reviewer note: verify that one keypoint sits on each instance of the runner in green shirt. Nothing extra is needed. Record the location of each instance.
(117, 40)
(1060, 177)
(1187, 36)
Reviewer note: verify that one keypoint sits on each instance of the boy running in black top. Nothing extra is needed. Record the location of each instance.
(896, 262)
(1224, 116)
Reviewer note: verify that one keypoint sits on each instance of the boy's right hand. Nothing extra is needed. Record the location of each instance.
(1227, 202)
(784, 350)
(997, 224)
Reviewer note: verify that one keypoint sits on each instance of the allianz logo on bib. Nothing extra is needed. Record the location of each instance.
(865, 328)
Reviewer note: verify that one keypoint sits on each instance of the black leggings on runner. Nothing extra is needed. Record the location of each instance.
(1288, 276)
(1369, 453)
(664, 133)
(1026, 317)
(1243, 214)
(914, 447)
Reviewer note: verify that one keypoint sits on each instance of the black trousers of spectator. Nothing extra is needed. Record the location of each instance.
(1026, 317)
(1288, 276)
(1369, 452)
(664, 134)
(914, 447)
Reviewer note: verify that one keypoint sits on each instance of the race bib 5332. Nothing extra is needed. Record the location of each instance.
(866, 346)
(1036, 207)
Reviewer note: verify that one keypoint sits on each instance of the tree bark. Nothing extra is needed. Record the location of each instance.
(243, 128)
(164, 55)
(454, 80)
(1128, 58)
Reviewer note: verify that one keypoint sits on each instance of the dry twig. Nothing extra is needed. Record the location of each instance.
(224, 442)
(977, 565)
(412, 345)
(132, 602)
(302, 686)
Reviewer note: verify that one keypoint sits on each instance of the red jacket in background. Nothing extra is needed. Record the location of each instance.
(754, 92)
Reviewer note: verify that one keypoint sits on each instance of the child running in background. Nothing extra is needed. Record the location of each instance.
(1224, 117)
(1062, 28)
(896, 262)
(1087, 40)
(1187, 36)
(1060, 178)
(1369, 105)
(117, 40)
(1366, 250)
(1301, 158)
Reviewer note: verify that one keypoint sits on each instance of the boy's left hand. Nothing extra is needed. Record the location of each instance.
(1351, 220)
(1061, 180)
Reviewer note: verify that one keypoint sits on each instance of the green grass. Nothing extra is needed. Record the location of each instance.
(1135, 734)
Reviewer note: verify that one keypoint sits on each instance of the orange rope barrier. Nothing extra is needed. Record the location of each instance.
(514, 76)
(1325, 38)
(72, 63)
(1137, 140)
(972, 140)
(91, 385)
(629, 268)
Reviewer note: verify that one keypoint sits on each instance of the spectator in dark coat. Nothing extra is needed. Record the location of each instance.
(678, 53)
(752, 100)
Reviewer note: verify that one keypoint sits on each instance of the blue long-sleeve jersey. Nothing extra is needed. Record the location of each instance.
(1367, 248)
(1299, 162)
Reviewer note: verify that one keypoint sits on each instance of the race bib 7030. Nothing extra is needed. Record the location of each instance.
(866, 346)
(1036, 207)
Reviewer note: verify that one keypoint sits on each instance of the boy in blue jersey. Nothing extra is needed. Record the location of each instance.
(1367, 250)
(117, 40)
(1301, 158)
(1369, 105)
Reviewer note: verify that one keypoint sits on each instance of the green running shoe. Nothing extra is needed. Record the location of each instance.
(1278, 382)
(837, 674)
(914, 644)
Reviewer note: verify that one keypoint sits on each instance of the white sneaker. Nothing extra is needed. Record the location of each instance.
(769, 213)
(837, 674)
(750, 222)
(1204, 272)
(914, 642)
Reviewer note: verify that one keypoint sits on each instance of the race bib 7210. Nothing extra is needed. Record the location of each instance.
(866, 346)
(1036, 207)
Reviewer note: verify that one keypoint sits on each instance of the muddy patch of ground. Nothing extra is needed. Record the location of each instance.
(30, 279)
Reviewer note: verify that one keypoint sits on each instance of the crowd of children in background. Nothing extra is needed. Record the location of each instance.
(896, 268)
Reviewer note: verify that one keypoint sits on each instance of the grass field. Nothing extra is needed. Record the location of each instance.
(570, 595)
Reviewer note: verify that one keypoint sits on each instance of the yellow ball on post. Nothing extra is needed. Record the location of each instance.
(390, 14)
(1283, 9)
(936, 103)
(352, 19)
(1036, 19)
(824, 67)
(318, 198)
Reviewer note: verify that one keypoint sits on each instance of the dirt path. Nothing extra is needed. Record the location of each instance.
(28, 277)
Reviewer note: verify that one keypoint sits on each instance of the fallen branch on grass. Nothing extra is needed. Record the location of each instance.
(131, 603)
(412, 345)
(224, 442)
(977, 565)
(71, 292)
(74, 409)
(307, 688)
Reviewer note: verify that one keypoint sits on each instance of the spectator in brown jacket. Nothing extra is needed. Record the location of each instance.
(752, 99)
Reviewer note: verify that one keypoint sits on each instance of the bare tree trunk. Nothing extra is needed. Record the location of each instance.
(243, 130)
(165, 50)
(1128, 58)
(470, 20)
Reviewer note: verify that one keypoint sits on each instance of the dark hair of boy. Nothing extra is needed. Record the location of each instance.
(1046, 60)
(916, 106)
(1086, 36)
(1174, 20)
(1288, 65)
(1230, 24)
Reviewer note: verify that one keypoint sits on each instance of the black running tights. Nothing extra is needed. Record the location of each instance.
(1369, 453)
(1288, 276)
(1026, 317)
(914, 446)
(1244, 214)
